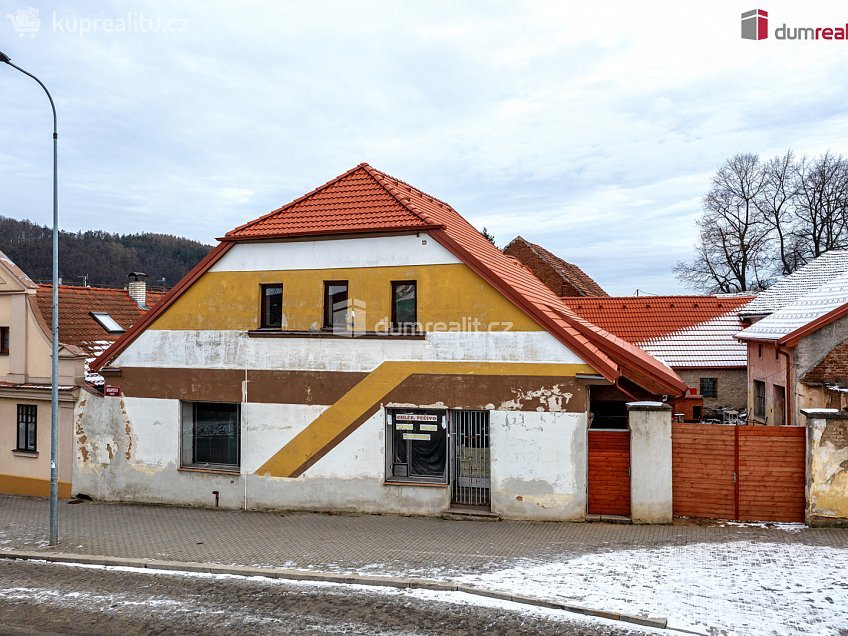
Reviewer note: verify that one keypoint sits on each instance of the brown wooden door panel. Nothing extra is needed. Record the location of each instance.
(702, 464)
(609, 473)
(772, 473)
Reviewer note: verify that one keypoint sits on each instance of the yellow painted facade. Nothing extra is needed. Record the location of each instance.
(329, 428)
(450, 298)
(31, 487)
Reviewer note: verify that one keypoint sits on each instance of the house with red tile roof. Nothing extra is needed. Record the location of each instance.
(561, 277)
(364, 348)
(694, 335)
(90, 319)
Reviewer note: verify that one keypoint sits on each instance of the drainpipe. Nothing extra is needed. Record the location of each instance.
(243, 423)
(790, 388)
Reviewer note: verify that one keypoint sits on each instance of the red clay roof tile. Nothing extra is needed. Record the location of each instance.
(640, 318)
(77, 327)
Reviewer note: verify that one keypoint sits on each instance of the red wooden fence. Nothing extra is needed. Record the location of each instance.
(750, 473)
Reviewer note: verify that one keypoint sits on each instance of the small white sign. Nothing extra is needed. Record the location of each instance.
(424, 437)
(416, 417)
(429, 427)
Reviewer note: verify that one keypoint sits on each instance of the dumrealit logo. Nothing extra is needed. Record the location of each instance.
(755, 24)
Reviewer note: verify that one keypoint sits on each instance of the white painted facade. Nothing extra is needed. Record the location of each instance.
(383, 251)
(131, 452)
(236, 350)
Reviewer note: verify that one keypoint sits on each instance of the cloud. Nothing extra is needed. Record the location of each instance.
(590, 129)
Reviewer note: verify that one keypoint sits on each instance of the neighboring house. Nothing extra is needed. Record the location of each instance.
(694, 335)
(85, 329)
(798, 342)
(362, 348)
(561, 277)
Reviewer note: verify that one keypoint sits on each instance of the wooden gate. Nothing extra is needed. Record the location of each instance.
(609, 472)
(748, 473)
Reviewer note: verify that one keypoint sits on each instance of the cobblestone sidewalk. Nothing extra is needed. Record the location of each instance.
(412, 545)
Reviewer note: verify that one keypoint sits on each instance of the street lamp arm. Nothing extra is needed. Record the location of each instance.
(5, 58)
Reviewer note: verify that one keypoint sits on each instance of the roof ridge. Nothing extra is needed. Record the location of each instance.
(381, 178)
(411, 187)
(298, 199)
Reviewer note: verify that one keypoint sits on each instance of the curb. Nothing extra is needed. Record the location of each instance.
(329, 577)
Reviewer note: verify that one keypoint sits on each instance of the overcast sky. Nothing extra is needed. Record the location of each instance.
(590, 128)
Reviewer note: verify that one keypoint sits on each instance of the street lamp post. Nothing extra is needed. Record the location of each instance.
(54, 377)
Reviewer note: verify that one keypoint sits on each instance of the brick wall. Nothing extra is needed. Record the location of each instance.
(542, 270)
(832, 368)
(732, 386)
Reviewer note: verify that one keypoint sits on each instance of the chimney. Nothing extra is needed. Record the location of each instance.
(137, 288)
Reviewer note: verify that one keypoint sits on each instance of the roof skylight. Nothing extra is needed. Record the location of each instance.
(107, 322)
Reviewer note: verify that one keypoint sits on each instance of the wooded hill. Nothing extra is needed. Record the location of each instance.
(100, 258)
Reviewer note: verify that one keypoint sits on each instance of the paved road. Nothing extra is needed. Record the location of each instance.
(42, 598)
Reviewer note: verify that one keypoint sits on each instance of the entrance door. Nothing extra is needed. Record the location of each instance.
(471, 477)
(609, 472)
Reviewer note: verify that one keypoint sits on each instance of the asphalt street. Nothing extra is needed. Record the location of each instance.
(47, 598)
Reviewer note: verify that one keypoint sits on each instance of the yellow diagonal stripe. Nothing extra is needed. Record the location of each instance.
(328, 429)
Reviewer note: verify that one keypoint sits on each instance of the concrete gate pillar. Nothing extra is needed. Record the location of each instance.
(827, 467)
(650, 462)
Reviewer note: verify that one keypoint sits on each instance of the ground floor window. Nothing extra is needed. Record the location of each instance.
(27, 425)
(416, 445)
(211, 435)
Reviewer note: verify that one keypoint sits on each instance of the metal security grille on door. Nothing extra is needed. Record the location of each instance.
(470, 457)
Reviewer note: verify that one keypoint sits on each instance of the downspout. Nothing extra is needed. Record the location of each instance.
(788, 415)
(244, 423)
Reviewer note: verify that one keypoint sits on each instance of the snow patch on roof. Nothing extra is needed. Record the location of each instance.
(825, 268)
(806, 308)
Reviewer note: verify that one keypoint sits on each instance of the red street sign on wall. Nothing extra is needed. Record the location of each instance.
(112, 391)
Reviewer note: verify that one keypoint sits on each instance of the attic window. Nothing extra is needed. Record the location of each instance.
(107, 322)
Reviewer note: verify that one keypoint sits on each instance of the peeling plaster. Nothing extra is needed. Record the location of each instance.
(552, 399)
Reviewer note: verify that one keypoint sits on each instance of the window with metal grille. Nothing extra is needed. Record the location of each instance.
(404, 305)
(211, 435)
(760, 398)
(27, 427)
(4, 341)
(709, 387)
(271, 306)
(417, 445)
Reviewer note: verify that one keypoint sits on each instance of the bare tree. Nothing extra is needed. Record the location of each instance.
(733, 236)
(821, 207)
(776, 203)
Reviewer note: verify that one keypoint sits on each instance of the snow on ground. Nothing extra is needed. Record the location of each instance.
(117, 599)
(743, 587)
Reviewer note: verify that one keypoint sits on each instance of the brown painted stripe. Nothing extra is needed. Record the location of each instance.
(521, 392)
(225, 385)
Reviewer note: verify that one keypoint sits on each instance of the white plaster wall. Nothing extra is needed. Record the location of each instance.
(128, 449)
(235, 350)
(538, 463)
(650, 466)
(349, 478)
(385, 251)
